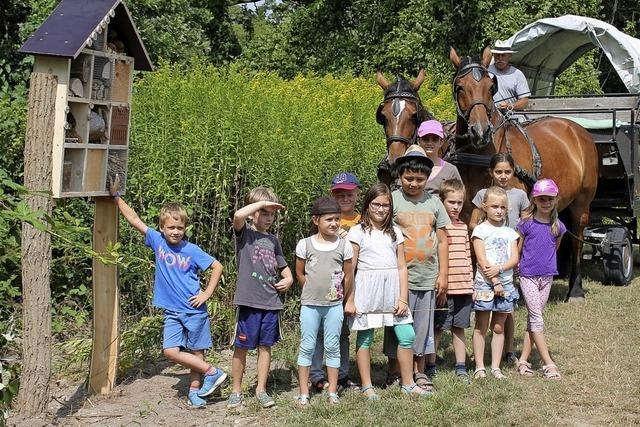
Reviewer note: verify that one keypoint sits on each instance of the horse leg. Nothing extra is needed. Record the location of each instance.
(579, 219)
(385, 172)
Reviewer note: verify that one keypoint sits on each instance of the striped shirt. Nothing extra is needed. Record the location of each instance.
(460, 269)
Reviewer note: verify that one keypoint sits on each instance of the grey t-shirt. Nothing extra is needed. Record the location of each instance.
(512, 84)
(323, 270)
(260, 259)
(518, 201)
(448, 171)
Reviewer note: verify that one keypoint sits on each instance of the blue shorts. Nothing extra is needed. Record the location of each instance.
(486, 301)
(186, 330)
(256, 327)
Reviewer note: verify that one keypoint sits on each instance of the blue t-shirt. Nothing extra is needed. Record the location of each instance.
(177, 269)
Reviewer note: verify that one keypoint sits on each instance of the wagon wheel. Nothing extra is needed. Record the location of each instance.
(618, 258)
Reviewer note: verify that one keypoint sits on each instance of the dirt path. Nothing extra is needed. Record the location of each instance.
(155, 398)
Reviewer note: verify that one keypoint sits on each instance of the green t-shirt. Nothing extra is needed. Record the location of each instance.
(418, 220)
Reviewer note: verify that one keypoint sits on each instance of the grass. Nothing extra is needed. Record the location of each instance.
(594, 344)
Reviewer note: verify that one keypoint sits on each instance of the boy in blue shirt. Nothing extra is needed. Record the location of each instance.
(177, 291)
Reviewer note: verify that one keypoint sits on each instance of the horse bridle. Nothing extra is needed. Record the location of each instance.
(477, 71)
(418, 117)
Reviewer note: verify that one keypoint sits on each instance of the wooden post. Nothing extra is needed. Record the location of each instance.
(36, 249)
(106, 297)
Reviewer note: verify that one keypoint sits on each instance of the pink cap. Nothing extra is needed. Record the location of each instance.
(545, 187)
(431, 127)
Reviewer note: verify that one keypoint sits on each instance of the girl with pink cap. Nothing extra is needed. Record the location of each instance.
(541, 233)
(431, 139)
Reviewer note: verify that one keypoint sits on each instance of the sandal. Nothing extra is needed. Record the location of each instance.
(524, 368)
(302, 401)
(371, 396)
(423, 381)
(550, 372)
(333, 399)
(479, 373)
(497, 374)
(415, 390)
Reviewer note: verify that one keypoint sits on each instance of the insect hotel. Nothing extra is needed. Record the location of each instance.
(86, 51)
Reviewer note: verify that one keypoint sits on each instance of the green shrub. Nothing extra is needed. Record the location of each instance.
(205, 136)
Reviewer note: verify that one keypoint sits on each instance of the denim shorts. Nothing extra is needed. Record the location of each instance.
(186, 330)
(256, 327)
(486, 300)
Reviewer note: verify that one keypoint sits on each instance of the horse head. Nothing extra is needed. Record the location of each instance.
(400, 113)
(473, 90)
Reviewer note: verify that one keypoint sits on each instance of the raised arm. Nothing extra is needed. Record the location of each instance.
(130, 215)
(241, 215)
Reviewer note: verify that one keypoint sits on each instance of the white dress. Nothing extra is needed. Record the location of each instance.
(377, 281)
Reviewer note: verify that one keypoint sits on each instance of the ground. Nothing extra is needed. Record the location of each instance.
(593, 343)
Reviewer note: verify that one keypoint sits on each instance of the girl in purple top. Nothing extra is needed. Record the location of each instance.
(541, 232)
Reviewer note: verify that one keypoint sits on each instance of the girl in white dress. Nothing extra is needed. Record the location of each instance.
(381, 288)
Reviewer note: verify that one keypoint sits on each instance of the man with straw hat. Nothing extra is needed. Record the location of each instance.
(513, 90)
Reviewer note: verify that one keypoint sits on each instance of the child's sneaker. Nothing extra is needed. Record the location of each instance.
(235, 400)
(265, 400)
(211, 382)
(195, 401)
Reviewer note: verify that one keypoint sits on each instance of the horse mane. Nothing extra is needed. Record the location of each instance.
(469, 60)
(400, 85)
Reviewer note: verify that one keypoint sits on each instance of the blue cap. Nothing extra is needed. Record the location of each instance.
(345, 181)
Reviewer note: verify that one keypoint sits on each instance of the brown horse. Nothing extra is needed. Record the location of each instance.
(548, 147)
(400, 113)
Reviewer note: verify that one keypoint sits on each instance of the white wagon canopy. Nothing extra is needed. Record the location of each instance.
(549, 46)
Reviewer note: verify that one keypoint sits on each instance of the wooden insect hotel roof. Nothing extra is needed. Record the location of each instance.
(76, 24)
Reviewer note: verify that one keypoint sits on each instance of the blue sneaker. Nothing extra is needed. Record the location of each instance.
(212, 382)
(195, 401)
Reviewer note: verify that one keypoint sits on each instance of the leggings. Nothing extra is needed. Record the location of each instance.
(536, 293)
(405, 334)
(312, 319)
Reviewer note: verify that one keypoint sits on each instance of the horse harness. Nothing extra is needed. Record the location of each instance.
(457, 155)
(396, 96)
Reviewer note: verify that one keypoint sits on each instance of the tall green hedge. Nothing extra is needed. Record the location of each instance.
(205, 136)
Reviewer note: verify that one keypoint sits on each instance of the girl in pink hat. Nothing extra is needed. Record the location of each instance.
(541, 232)
(431, 139)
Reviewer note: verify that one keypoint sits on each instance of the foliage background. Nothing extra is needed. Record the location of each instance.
(280, 95)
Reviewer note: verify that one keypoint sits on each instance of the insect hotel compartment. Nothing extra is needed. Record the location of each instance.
(80, 76)
(102, 79)
(94, 179)
(121, 81)
(72, 168)
(119, 126)
(77, 123)
(99, 118)
(117, 164)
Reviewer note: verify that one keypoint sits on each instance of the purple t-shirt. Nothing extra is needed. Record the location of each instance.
(539, 248)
